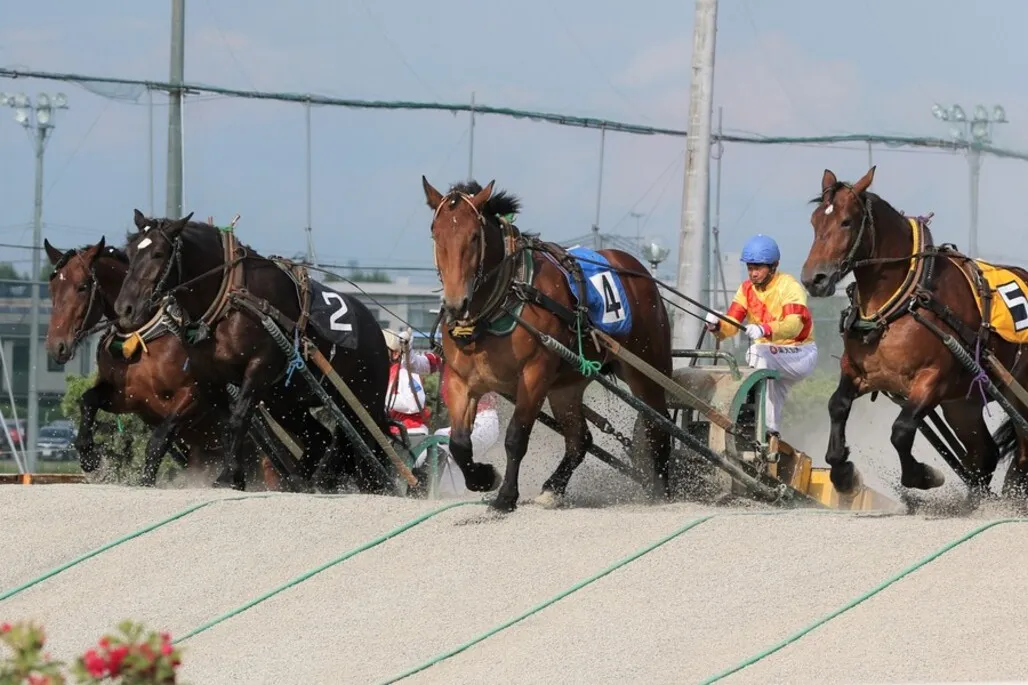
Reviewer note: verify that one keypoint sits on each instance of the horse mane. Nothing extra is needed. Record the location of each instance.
(109, 251)
(499, 203)
(201, 233)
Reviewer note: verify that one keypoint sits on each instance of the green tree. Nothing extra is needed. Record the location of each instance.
(9, 273)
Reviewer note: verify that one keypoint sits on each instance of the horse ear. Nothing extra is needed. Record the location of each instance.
(865, 182)
(828, 180)
(176, 226)
(98, 249)
(52, 252)
(140, 219)
(482, 196)
(432, 196)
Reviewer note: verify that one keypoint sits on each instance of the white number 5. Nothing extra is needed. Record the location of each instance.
(1016, 303)
(334, 321)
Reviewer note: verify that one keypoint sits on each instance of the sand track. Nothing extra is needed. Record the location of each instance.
(698, 604)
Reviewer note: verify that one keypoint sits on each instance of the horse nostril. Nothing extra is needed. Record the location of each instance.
(61, 349)
(819, 279)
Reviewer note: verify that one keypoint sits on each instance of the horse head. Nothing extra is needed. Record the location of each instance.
(462, 223)
(843, 227)
(76, 295)
(155, 267)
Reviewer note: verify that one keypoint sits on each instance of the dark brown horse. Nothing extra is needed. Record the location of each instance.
(189, 261)
(480, 258)
(893, 349)
(151, 384)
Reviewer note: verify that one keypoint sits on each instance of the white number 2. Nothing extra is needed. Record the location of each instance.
(334, 321)
(1016, 303)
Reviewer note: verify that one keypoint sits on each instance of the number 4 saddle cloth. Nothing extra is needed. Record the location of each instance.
(1008, 311)
(606, 300)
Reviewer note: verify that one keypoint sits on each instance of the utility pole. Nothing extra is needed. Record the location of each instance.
(177, 77)
(471, 143)
(312, 257)
(597, 240)
(692, 243)
(38, 119)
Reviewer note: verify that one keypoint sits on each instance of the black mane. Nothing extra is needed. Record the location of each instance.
(200, 230)
(499, 203)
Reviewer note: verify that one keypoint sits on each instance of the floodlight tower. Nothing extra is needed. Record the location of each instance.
(976, 133)
(37, 118)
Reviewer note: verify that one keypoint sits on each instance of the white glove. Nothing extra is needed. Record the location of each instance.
(405, 337)
(713, 322)
(754, 331)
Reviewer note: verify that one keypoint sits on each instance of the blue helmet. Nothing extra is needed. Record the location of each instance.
(760, 249)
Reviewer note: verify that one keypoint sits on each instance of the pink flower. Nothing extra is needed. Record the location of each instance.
(5, 628)
(115, 658)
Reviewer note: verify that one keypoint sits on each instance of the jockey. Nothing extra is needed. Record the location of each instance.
(771, 308)
(405, 398)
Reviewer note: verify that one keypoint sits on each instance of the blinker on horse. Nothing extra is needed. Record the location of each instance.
(490, 270)
(907, 293)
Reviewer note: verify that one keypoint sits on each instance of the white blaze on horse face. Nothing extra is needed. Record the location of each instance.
(144, 243)
(829, 209)
(60, 276)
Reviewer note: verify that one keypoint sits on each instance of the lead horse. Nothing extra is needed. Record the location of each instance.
(495, 281)
(216, 285)
(148, 380)
(908, 296)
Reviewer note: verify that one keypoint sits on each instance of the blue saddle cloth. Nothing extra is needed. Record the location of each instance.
(605, 298)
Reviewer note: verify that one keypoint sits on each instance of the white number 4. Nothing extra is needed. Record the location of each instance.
(1016, 303)
(334, 321)
(613, 307)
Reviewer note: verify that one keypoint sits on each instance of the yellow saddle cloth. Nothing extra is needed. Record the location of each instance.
(1009, 308)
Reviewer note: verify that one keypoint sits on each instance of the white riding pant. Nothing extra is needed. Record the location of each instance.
(793, 363)
(484, 434)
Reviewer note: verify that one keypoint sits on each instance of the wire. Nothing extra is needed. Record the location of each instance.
(549, 117)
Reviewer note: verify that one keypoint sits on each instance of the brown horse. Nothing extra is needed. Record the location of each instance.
(218, 285)
(483, 261)
(83, 287)
(904, 288)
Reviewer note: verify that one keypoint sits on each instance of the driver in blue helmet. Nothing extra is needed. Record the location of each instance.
(771, 309)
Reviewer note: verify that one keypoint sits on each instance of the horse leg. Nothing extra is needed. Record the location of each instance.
(92, 400)
(657, 439)
(532, 390)
(844, 475)
(566, 404)
(914, 474)
(968, 423)
(233, 476)
(462, 407)
(161, 439)
(1015, 484)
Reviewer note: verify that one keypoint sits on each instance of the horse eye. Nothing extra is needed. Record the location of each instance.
(846, 223)
(158, 255)
(83, 287)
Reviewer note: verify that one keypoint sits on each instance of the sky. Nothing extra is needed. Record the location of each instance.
(788, 67)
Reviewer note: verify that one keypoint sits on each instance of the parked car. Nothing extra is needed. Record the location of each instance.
(55, 443)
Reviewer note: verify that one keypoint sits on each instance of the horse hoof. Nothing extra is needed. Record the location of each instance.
(483, 478)
(845, 478)
(227, 479)
(927, 479)
(548, 499)
(504, 505)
